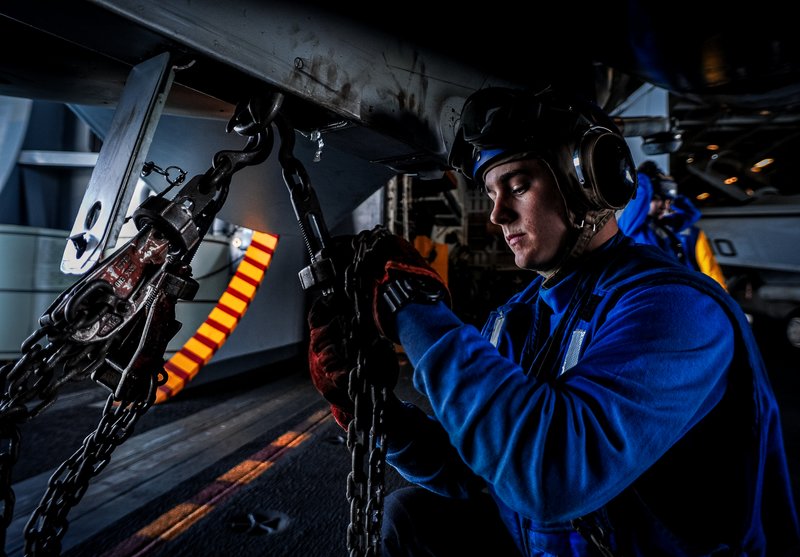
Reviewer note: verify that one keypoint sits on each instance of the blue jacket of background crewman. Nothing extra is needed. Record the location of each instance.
(635, 221)
(682, 220)
(628, 415)
(676, 232)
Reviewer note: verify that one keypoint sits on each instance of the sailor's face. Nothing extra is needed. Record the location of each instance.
(530, 210)
(658, 207)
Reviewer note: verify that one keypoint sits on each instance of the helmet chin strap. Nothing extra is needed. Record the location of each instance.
(580, 236)
(583, 228)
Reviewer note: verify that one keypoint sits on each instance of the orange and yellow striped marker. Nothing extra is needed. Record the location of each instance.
(184, 365)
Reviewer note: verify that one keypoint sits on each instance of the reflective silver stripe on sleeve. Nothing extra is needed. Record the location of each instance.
(573, 351)
(497, 328)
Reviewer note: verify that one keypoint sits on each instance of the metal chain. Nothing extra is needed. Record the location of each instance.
(66, 487)
(150, 167)
(365, 482)
(365, 434)
(35, 376)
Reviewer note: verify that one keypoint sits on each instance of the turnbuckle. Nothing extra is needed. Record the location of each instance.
(320, 273)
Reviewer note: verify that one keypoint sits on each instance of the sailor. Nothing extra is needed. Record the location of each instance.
(617, 405)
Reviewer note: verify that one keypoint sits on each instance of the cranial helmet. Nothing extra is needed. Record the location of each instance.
(664, 185)
(583, 147)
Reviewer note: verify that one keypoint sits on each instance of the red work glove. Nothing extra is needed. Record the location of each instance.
(371, 261)
(329, 355)
(391, 257)
(332, 354)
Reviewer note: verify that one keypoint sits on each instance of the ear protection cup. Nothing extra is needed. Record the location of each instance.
(604, 168)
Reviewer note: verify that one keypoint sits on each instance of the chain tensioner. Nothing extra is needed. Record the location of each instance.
(114, 325)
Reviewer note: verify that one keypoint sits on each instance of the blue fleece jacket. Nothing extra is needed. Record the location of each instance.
(631, 392)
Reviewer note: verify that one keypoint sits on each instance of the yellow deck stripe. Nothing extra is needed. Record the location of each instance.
(183, 516)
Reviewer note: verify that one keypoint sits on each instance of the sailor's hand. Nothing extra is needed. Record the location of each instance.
(334, 351)
(399, 275)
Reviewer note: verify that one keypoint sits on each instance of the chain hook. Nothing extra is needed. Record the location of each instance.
(254, 115)
(253, 119)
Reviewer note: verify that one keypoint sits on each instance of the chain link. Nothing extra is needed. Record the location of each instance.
(150, 167)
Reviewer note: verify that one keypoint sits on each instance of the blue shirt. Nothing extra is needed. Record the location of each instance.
(628, 410)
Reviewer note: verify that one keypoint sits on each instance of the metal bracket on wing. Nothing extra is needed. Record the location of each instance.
(110, 189)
